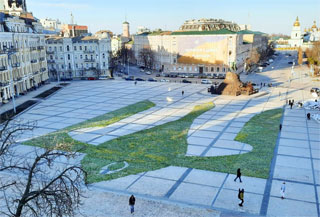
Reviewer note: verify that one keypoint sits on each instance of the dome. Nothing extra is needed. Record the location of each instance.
(314, 25)
(297, 23)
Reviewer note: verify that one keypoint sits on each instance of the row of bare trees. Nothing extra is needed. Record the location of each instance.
(259, 55)
(38, 182)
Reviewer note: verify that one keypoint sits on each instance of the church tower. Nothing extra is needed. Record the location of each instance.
(296, 36)
(126, 29)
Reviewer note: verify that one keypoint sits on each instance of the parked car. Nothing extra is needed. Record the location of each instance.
(186, 81)
(164, 80)
(215, 76)
(140, 79)
(315, 90)
(221, 76)
(152, 80)
(104, 77)
(290, 63)
(91, 78)
(158, 75)
(166, 75)
(148, 73)
(191, 76)
(206, 81)
(173, 75)
(129, 78)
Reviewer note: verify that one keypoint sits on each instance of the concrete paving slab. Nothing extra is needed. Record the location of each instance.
(293, 151)
(172, 173)
(214, 152)
(193, 140)
(152, 186)
(296, 162)
(294, 191)
(294, 174)
(203, 177)
(119, 184)
(294, 143)
(228, 199)
(249, 184)
(289, 208)
(195, 150)
(195, 194)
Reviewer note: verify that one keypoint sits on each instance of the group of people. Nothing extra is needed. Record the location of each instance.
(291, 103)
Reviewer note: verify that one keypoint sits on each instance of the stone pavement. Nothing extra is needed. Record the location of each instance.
(296, 159)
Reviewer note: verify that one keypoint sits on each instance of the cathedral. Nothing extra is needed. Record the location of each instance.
(303, 39)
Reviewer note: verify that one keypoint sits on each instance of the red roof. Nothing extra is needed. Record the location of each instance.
(77, 27)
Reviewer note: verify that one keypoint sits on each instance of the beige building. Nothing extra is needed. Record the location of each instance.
(199, 52)
(79, 57)
(126, 29)
(23, 64)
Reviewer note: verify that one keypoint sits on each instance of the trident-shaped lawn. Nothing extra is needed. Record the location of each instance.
(166, 145)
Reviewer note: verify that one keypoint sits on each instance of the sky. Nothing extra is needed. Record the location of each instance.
(269, 16)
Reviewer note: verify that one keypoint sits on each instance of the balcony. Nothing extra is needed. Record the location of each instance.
(89, 60)
(50, 52)
(90, 69)
(34, 61)
(89, 51)
(51, 61)
(15, 65)
(3, 68)
(4, 84)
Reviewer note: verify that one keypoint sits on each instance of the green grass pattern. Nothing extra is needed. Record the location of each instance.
(166, 145)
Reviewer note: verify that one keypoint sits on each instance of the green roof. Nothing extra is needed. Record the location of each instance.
(125, 22)
(218, 32)
(250, 32)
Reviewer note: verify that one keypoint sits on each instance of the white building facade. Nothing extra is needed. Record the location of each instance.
(78, 57)
(23, 64)
(296, 35)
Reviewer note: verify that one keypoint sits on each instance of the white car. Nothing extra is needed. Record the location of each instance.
(206, 81)
(164, 80)
(103, 77)
(148, 73)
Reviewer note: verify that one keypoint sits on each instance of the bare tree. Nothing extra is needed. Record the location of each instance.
(146, 55)
(254, 58)
(37, 183)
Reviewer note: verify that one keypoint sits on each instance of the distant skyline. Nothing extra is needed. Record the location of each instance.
(270, 16)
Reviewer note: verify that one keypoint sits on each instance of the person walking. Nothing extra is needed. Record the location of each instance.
(280, 127)
(182, 92)
(132, 202)
(241, 197)
(309, 116)
(291, 104)
(283, 190)
(238, 175)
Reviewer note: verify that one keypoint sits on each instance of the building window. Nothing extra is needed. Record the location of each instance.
(61, 48)
(212, 69)
(80, 47)
(104, 64)
(75, 48)
(80, 56)
(77, 66)
(206, 69)
(103, 56)
(68, 48)
(85, 47)
(218, 69)
(69, 65)
(69, 57)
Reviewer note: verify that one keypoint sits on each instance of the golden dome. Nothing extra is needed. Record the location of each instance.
(314, 25)
(297, 23)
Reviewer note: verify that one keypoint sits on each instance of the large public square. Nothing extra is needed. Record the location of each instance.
(182, 190)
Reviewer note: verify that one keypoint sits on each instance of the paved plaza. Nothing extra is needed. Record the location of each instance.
(296, 160)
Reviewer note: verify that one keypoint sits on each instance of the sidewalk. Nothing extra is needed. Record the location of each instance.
(22, 99)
